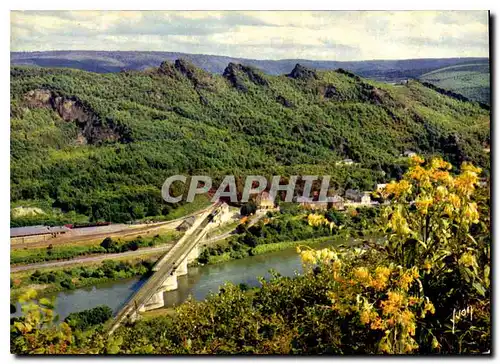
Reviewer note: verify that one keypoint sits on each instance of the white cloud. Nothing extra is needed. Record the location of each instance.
(325, 35)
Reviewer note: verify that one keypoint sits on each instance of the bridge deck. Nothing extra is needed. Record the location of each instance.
(168, 265)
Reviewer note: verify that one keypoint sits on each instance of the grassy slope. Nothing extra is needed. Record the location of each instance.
(217, 129)
(471, 80)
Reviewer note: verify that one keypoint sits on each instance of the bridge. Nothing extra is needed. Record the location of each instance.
(173, 264)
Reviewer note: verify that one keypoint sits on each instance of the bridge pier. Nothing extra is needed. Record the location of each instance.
(193, 254)
(182, 268)
(155, 302)
(170, 284)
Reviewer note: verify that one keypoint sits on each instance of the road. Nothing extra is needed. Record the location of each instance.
(92, 259)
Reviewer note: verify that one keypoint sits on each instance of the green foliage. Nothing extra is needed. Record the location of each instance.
(348, 301)
(83, 320)
(248, 208)
(76, 277)
(150, 125)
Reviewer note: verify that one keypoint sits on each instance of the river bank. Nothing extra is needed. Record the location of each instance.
(198, 283)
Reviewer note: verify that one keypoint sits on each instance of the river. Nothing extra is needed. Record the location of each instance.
(198, 283)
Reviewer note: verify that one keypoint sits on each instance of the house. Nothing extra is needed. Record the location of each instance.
(31, 234)
(264, 201)
(409, 154)
(358, 197)
(222, 214)
(186, 224)
(365, 198)
(346, 162)
(352, 195)
(311, 204)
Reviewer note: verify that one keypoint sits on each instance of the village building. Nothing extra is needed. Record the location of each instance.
(264, 201)
(31, 234)
(355, 196)
(409, 154)
(311, 204)
(346, 162)
(186, 224)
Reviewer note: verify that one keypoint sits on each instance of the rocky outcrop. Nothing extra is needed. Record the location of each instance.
(167, 69)
(92, 129)
(286, 103)
(236, 74)
(300, 72)
(200, 78)
(331, 92)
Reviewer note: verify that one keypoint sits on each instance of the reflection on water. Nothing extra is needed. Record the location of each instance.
(198, 283)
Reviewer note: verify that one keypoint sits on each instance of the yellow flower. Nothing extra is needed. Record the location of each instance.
(308, 257)
(407, 317)
(465, 183)
(416, 159)
(470, 213)
(468, 260)
(364, 317)
(439, 163)
(405, 280)
(397, 188)
(381, 277)
(337, 264)
(454, 200)
(448, 210)
(435, 343)
(362, 275)
(423, 204)
(466, 166)
(427, 266)
(393, 303)
(441, 193)
(377, 324)
(385, 348)
(417, 173)
(429, 307)
(412, 300)
(399, 223)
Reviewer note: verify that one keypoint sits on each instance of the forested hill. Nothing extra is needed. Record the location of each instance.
(101, 145)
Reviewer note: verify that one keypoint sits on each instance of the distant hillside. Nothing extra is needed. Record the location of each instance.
(101, 145)
(471, 80)
(103, 62)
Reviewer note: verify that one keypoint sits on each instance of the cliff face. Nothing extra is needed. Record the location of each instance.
(70, 109)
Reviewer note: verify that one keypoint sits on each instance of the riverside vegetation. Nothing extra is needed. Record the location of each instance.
(287, 228)
(99, 146)
(396, 296)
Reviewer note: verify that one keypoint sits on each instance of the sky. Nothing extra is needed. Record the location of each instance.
(320, 35)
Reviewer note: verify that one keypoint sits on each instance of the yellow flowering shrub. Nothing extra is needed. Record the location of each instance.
(319, 220)
(428, 242)
(430, 214)
(381, 298)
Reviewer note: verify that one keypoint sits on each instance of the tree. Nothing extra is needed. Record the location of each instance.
(248, 208)
(109, 244)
